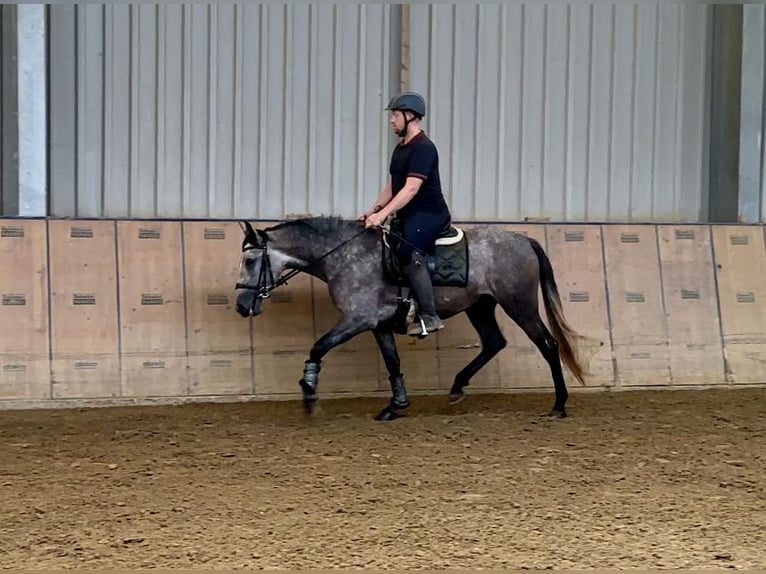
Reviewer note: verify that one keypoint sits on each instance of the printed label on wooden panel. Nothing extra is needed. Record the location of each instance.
(221, 374)
(152, 308)
(24, 347)
(635, 304)
(219, 344)
(154, 375)
(694, 331)
(212, 256)
(84, 319)
(577, 258)
(741, 272)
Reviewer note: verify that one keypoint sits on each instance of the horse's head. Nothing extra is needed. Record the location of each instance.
(259, 268)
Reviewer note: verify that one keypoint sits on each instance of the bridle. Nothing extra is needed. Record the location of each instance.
(266, 284)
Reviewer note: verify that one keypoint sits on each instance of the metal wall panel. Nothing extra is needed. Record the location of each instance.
(225, 110)
(752, 151)
(567, 112)
(9, 133)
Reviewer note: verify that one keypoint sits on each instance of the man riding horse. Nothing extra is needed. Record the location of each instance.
(414, 194)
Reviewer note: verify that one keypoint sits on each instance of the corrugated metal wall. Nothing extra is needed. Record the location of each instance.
(219, 110)
(569, 112)
(9, 197)
(752, 151)
(565, 111)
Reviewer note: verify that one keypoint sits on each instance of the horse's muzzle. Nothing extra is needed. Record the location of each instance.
(248, 305)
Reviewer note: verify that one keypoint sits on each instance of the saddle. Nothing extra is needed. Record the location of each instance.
(448, 265)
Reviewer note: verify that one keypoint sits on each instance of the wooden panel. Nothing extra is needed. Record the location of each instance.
(84, 320)
(635, 302)
(521, 365)
(24, 347)
(282, 337)
(352, 366)
(741, 273)
(458, 343)
(218, 344)
(577, 258)
(694, 331)
(152, 317)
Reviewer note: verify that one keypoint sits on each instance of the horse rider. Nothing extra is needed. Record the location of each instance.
(414, 193)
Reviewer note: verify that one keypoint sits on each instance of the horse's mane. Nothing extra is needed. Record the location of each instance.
(321, 224)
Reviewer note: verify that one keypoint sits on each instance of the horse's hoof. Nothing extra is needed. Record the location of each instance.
(388, 414)
(558, 414)
(456, 397)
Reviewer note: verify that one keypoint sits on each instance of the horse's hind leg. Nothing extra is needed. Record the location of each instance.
(399, 399)
(482, 317)
(526, 316)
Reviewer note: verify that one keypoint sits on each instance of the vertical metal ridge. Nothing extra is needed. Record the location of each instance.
(108, 107)
(477, 136)
(678, 139)
(566, 200)
(655, 112)
(186, 160)
(633, 112)
(453, 124)
(134, 36)
(311, 103)
(287, 94)
(361, 50)
(542, 198)
(336, 74)
(610, 129)
(262, 107)
(212, 105)
(160, 104)
(589, 107)
(502, 95)
(520, 134)
(236, 143)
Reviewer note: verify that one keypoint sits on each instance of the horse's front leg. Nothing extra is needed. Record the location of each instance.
(399, 399)
(343, 331)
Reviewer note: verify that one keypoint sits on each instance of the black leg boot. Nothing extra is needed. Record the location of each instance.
(420, 281)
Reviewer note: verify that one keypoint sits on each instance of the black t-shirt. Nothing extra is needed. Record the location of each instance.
(418, 158)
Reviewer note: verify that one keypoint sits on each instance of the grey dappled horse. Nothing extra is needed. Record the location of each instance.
(505, 268)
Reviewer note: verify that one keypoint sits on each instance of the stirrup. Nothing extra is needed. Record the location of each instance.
(420, 330)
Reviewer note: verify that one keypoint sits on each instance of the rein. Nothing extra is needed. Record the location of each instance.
(265, 291)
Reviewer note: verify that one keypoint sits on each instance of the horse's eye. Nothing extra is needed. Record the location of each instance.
(249, 263)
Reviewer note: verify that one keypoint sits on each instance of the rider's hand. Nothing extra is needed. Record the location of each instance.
(374, 220)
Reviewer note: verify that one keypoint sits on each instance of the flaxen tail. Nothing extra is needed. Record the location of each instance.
(561, 330)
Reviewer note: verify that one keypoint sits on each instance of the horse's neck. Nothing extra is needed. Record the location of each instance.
(308, 248)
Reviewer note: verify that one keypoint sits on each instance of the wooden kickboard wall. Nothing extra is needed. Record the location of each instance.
(105, 310)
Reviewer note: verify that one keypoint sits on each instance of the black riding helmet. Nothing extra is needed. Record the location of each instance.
(408, 101)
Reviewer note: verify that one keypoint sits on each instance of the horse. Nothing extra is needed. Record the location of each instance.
(501, 267)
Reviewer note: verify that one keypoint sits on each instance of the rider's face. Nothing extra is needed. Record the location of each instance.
(397, 122)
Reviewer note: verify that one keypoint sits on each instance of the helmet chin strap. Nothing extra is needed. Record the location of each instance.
(403, 132)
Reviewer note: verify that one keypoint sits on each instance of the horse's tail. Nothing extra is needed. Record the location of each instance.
(562, 331)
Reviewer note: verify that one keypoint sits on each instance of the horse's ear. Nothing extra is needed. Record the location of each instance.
(251, 237)
(247, 229)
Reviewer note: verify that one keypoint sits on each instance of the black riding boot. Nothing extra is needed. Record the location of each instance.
(420, 281)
